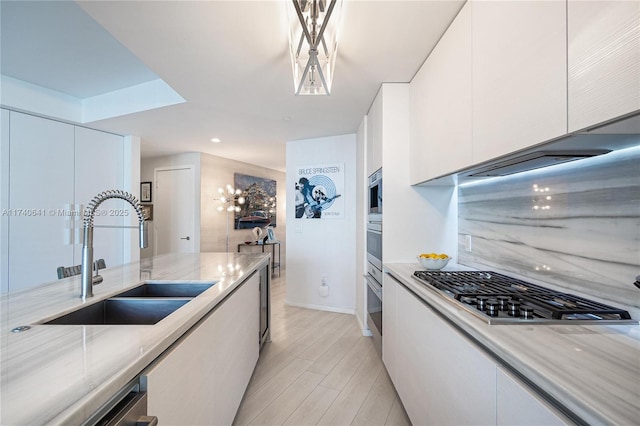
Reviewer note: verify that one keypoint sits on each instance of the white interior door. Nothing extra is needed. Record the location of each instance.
(174, 213)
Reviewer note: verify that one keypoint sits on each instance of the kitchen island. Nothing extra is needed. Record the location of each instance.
(578, 373)
(64, 374)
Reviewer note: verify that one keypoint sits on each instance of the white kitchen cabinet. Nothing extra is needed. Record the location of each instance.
(603, 61)
(54, 167)
(41, 180)
(99, 166)
(4, 200)
(441, 378)
(517, 405)
(445, 378)
(236, 349)
(202, 378)
(440, 97)
(519, 75)
(389, 326)
(180, 385)
(374, 135)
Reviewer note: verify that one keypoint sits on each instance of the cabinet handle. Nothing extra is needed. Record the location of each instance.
(185, 238)
(147, 421)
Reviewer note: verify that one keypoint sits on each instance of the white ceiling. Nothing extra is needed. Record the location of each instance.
(228, 60)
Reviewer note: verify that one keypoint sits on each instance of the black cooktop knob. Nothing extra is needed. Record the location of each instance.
(526, 312)
(481, 303)
(502, 301)
(514, 308)
(493, 308)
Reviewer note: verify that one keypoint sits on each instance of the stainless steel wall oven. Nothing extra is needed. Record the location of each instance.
(374, 259)
(374, 311)
(374, 243)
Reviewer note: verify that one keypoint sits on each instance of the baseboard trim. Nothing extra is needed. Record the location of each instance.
(320, 307)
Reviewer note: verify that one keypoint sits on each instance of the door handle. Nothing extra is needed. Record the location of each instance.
(147, 421)
(185, 238)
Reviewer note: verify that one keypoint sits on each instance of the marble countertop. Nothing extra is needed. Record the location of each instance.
(593, 370)
(62, 374)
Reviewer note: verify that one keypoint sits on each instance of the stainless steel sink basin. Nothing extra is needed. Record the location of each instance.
(130, 311)
(168, 289)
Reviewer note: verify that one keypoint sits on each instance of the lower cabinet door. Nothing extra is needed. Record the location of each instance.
(235, 349)
(442, 378)
(389, 325)
(201, 379)
(518, 405)
(179, 385)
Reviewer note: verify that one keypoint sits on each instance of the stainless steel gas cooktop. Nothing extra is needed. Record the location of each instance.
(499, 299)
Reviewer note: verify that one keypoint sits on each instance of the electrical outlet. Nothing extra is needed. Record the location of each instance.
(467, 243)
(324, 279)
(323, 290)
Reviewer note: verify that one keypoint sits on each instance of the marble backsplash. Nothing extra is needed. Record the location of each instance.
(575, 226)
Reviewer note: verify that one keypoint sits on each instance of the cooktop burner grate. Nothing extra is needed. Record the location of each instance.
(500, 297)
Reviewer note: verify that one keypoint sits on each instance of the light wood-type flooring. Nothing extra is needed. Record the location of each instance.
(318, 369)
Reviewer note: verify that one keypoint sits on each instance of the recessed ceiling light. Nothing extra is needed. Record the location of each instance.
(215, 140)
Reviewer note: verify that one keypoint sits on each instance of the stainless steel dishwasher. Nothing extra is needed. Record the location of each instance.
(128, 408)
(132, 411)
(265, 307)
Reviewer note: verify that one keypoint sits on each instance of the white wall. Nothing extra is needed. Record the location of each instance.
(323, 246)
(210, 173)
(217, 172)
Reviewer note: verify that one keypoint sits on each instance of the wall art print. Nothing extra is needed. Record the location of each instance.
(318, 190)
(259, 208)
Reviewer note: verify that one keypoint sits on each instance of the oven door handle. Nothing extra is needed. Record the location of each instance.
(374, 286)
(378, 293)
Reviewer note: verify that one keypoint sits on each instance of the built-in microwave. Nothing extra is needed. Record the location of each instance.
(375, 193)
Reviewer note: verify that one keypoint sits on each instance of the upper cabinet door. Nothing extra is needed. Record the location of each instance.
(604, 61)
(519, 75)
(99, 167)
(440, 105)
(374, 135)
(4, 199)
(40, 199)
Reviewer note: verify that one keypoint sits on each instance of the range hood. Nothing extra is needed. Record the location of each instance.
(532, 160)
(621, 133)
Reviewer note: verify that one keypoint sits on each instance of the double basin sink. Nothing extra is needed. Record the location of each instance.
(146, 304)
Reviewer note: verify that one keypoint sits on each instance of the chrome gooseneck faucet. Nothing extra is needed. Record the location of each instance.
(87, 241)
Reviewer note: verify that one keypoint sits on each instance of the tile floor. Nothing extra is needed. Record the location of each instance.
(318, 369)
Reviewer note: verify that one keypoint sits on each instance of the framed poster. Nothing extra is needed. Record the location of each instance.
(145, 192)
(260, 205)
(318, 190)
(147, 211)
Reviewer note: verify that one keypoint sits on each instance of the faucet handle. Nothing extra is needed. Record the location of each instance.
(97, 278)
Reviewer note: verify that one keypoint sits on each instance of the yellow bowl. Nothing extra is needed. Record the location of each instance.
(433, 264)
